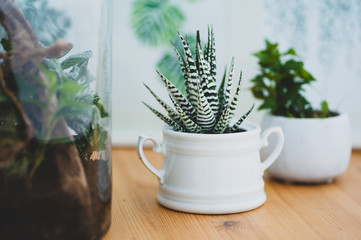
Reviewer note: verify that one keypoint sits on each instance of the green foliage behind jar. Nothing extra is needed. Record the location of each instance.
(154, 21)
(280, 84)
(48, 23)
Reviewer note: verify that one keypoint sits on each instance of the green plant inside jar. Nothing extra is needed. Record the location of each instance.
(54, 144)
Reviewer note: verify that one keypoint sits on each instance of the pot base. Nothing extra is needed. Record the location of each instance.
(225, 205)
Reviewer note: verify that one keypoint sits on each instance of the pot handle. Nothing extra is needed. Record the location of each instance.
(157, 148)
(277, 150)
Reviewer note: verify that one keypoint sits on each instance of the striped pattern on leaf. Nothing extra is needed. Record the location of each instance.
(212, 56)
(228, 87)
(223, 121)
(172, 114)
(189, 124)
(182, 64)
(208, 87)
(192, 74)
(221, 95)
(235, 98)
(179, 97)
(207, 47)
(205, 116)
(165, 119)
(235, 127)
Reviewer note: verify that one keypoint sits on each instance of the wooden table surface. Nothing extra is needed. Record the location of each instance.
(326, 211)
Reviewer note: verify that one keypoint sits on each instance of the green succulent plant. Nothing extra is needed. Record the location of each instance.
(203, 108)
(280, 84)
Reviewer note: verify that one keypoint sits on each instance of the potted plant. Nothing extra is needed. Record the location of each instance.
(211, 166)
(317, 141)
(55, 172)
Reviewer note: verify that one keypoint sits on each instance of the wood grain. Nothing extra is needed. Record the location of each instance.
(325, 211)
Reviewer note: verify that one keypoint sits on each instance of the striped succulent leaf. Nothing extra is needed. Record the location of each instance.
(204, 109)
(235, 127)
(223, 121)
(212, 56)
(234, 102)
(182, 63)
(207, 46)
(228, 87)
(167, 120)
(190, 125)
(207, 85)
(221, 96)
(171, 113)
(179, 97)
(205, 116)
(192, 82)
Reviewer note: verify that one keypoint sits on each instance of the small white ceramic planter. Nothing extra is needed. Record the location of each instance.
(212, 173)
(315, 151)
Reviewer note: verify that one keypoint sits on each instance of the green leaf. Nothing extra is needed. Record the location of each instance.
(293, 65)
(165, 119)
(155, 21)
(76, 59)
(205, 116)
(290, 51)
(306, 76)
(6, 43)
(208, 86)
(258, 92)
(192, 82)
(325, 111)
(173, 66)
(228, 86)
(172, 114)
(96, 102)
(190, 125)
(178, 97)
(212, 55)
(223, 121)
(235, 98)
(236, 126)
(70, 88)
(221, 96)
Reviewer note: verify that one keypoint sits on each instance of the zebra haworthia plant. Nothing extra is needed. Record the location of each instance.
(203, 108)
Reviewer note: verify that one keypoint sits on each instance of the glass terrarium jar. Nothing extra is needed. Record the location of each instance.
(55, 149)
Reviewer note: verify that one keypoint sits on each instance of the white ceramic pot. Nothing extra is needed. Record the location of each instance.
(212, 173)
(316, 150)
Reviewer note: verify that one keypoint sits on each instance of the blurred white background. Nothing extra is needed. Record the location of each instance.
(327, 35)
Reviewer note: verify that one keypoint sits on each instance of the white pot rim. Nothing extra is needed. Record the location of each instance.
(250, 127)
